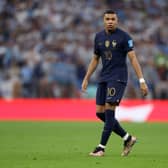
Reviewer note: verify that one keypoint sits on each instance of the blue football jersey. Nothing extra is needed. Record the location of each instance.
(112, 48)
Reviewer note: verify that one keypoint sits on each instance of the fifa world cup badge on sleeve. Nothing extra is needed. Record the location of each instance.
(130, 43)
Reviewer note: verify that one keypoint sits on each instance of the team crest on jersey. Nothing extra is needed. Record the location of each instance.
(114, 43)
(107, 43)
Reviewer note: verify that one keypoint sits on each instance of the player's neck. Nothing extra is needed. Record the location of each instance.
(110, 31)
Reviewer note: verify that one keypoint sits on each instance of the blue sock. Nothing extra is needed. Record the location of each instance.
(117, 128)
(108, 126)
(101, 116)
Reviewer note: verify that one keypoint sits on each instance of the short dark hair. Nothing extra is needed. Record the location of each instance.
(109, 11)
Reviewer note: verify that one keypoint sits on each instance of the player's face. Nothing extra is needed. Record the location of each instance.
(110, 22)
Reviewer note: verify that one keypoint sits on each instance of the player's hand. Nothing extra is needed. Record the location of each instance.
(144, 89)
(84, 85)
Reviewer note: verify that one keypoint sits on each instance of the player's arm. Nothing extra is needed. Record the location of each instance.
(91, 68)
(138, 71)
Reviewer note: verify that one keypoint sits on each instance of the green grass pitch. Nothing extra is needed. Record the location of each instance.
(67, 144)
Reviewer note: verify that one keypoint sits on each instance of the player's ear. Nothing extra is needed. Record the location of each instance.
(104, 18)
(116, 18)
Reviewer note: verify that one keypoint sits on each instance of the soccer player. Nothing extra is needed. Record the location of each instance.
(112, 45)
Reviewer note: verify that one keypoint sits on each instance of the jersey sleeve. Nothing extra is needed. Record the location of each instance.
(96, 48)
(128, 43)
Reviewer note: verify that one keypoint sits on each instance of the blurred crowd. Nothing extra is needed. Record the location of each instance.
(46, 45)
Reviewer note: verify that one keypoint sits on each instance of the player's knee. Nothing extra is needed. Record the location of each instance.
(100, 108)
(110, 106)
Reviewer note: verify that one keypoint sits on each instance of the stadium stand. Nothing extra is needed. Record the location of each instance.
(45, 46)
